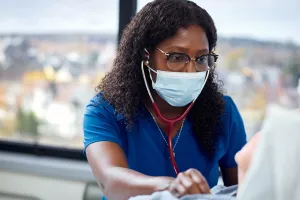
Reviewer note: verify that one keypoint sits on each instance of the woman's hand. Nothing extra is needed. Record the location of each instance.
(189, 182)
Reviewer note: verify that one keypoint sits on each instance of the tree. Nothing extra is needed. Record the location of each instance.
(27, 123)
(293, 69)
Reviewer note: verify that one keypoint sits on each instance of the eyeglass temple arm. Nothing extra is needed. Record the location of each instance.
(166, 54)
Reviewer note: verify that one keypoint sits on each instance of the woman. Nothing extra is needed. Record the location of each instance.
(164, 67)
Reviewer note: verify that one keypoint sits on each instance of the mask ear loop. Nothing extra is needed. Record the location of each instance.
(149, 70)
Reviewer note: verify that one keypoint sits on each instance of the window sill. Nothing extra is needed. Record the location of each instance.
(46, 166)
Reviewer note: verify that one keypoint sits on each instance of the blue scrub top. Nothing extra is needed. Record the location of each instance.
(146, 150)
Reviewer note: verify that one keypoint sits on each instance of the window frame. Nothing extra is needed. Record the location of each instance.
(127, 9)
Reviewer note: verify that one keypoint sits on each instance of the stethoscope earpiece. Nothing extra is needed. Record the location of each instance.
(147, 63)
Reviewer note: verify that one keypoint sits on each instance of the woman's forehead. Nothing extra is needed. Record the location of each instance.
(191, 38)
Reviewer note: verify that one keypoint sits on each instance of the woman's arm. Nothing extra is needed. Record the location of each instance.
(110, 168)
(103, 148)
(234, 141)
(230, 176)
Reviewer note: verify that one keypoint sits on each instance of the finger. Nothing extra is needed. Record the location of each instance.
(204, 187)
(177, 189)
(195, 176)
(200, 180)
(180, 190)
(190, 185)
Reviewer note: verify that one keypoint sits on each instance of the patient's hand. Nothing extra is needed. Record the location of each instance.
(189, 182)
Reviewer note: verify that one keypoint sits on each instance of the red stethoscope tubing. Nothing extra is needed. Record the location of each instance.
(171, 123)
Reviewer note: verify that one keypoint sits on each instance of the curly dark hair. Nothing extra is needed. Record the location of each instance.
(124, 87)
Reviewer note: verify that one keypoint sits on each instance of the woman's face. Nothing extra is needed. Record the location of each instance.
(191, 41)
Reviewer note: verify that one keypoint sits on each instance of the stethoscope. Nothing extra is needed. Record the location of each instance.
(169, 122)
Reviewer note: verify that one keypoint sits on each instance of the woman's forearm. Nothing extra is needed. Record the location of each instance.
(122, 183)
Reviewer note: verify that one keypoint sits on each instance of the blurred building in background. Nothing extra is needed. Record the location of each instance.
(50, 65)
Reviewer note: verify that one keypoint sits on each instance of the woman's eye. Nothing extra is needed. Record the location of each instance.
(177, 57)
(202, 59)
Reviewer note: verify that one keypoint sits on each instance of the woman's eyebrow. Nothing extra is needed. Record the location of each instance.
(203, 51)
(184, 49)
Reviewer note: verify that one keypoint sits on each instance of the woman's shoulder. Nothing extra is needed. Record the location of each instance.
(99, 105)
(230, 108)
(101, 123)
(97, 102)
(227, 99)
(231, 114)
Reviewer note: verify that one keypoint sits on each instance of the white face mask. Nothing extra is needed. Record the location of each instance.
(179, 88)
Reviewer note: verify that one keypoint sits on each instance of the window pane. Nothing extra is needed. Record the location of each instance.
(259, 54)
(52, 55)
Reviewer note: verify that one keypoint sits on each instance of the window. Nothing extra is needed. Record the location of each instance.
(259, 54)
(52, 55)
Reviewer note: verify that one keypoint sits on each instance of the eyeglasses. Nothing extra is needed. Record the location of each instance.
(177, 61)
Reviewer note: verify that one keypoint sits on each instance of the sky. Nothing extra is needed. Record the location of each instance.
(261, 19)
(42, 16)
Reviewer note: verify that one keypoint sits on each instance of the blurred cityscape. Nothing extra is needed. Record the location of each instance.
(46, 81)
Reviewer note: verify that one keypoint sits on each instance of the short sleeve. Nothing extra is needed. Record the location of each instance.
(100, 124)
(236, 135)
